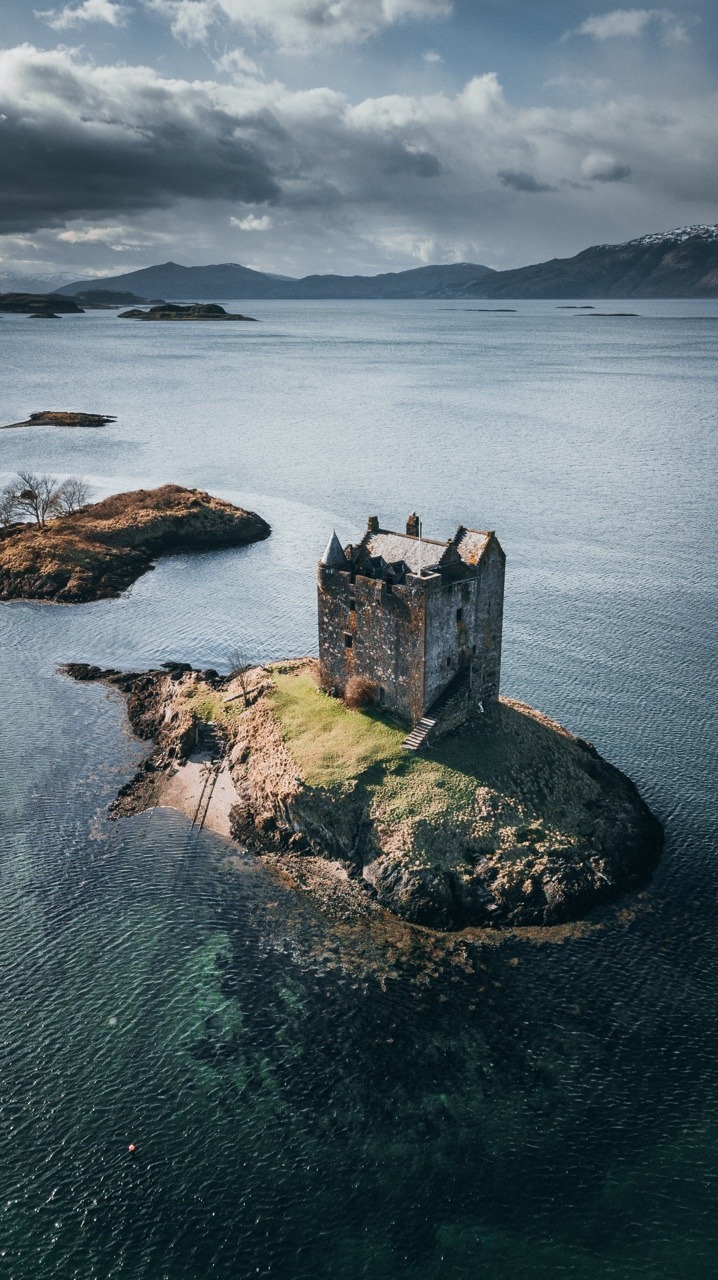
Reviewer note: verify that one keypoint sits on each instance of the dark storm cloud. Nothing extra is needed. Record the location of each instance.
(422, 164)
(82, 143)
(520, 180)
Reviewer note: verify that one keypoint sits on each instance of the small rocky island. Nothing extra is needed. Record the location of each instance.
(100, 550)
(174, 311)
(509, 820)
(390, 775)
(61, 418)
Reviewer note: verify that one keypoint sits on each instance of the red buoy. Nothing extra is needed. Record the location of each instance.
(132, 1147)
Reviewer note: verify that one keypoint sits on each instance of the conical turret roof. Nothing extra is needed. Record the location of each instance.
(334, 557)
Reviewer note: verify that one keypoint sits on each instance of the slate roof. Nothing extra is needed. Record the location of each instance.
(471, 545)
(400, 546)
(334, 555)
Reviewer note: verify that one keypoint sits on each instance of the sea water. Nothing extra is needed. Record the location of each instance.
(310, 1102)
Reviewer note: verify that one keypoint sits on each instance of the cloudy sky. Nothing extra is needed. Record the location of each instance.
(348, 135)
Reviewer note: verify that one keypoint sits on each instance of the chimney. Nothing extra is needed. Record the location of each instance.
(373, 524)
(412, 526)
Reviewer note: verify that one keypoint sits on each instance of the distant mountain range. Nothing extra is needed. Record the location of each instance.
(672, 264)
(230, 280)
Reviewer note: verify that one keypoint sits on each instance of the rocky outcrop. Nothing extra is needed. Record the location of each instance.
(102, 549)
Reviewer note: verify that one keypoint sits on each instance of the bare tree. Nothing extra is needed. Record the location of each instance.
(239, 668)
(8, 505)
(73, 493)
(36, 496)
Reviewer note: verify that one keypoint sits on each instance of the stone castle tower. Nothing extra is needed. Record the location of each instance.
(417, 617)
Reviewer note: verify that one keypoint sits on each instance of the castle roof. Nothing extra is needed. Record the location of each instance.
(471, 544)
(425, 553)
(334, 556)
(416, 554)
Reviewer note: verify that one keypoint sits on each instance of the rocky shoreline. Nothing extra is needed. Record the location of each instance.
(510, 821)
(100, 550)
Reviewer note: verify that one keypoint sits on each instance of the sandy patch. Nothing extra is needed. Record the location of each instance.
(184, 790)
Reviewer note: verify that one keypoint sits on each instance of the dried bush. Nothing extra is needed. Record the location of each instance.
(360, 692)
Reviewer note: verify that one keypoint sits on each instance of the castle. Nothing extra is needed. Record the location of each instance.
(419, 618)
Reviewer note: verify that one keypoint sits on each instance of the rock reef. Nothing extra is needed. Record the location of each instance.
(508, 821)
(100, 550)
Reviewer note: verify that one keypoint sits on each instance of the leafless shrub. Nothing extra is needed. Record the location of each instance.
(36, 496)
(360, 692)
(8, 506)
(41, 497)
(73, 494)
(239, 669)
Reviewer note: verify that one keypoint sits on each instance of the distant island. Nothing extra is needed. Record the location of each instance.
(173, 311)
(52, 305)
(100, 550)
(673, 264)
(61, 418)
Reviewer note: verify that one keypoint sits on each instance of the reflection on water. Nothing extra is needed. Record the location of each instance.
(313, 1101)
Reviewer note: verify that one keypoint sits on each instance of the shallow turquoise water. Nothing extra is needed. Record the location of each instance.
(296, 1116)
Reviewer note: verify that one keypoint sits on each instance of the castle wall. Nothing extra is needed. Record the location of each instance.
(486, 672)
(387, 638)
(451, 632)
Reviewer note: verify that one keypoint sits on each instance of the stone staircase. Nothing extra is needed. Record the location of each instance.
(419, 734)
(416, 739)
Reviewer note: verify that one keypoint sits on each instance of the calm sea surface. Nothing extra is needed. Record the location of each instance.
(309, 1104)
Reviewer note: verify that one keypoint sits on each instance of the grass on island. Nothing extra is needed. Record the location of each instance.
(330, 743)
(539, 776)
(209, 705)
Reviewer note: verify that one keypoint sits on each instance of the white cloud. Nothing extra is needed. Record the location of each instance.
(236, 63)
(432, 56)
(598, 166)
(190, 20)
(89, 11)
(252, 222)
(120, 239)
(632, 23)
(298, 25)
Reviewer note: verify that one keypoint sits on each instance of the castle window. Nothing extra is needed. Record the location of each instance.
(352, 604)
(473, 648)
(347, 640)
(459, 614)
(389, 588)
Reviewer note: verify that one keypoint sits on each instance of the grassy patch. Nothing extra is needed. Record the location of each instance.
(330, 743)
(209, 704)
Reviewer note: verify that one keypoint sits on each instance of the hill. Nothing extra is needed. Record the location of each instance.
(670, 264)
(230, 280)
